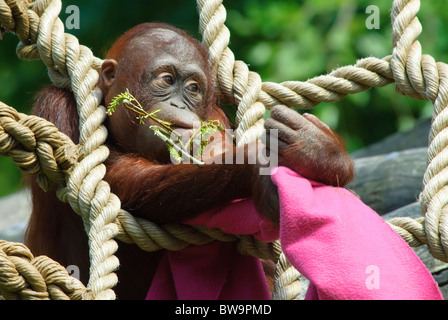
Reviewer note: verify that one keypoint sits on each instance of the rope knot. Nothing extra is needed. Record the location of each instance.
(16, 17)
(25, 277)
(36, 146)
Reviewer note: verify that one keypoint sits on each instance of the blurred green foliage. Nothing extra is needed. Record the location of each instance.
(281, 40)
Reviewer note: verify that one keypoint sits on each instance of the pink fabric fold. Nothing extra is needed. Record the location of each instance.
(216, 271)
(342, 246)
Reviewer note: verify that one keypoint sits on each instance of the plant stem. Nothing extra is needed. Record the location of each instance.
(195, 133)
(164, 131)
(175, 147)
(140, 111)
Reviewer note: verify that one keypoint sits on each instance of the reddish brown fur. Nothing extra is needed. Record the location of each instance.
(160, 193)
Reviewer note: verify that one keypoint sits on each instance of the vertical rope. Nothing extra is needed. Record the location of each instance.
(242, 88)
(74, 66)
(420, 77)
(235, 82)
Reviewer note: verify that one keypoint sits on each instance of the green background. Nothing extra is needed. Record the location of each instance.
(281, 40)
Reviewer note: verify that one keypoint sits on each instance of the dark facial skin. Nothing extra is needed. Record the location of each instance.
(172, 80)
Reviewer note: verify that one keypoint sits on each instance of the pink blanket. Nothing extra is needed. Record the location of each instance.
(344, 248)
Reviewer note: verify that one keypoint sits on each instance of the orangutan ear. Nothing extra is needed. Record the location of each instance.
(107, 75)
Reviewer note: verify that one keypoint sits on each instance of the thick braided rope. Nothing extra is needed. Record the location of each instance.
(15, 19)
(36, 146)
(153, 237)
(420, 77)
(365, 74)
(71, 64)
(88, 194)
(238, 85)
(287, 283)
(25, 277)
(241, 87)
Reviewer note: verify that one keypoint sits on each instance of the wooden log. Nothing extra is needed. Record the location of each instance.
(390, 181)
(438, 269)
(400, 141)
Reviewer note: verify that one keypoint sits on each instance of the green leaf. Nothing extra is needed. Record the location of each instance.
(174, 154)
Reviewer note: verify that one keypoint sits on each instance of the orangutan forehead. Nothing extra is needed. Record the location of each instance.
(162, 37)
(165, 42)
(165, 34)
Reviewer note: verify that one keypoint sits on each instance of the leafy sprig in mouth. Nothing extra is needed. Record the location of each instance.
(195, 146)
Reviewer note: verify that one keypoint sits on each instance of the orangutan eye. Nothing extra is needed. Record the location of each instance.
(169, 80)
(193, 87)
